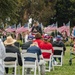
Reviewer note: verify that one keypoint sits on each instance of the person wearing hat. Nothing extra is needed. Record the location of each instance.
(59, 43)
(27, 44)
(10, 48)
(46, 45)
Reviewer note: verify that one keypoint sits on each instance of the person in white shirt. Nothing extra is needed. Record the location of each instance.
(2, 56)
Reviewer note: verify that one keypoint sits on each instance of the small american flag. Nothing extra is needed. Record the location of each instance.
(65, 28)
(51, 27)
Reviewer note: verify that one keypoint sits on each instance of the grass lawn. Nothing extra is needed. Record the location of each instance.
(66, 69)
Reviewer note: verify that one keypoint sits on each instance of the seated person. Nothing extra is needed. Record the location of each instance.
(38, 38)
(27, 44)
(46, 45)
(58, 43)
(17, 44)
(10, 48)
(34, 49)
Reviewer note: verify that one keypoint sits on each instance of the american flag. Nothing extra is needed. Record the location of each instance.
(62, 28)
(65, 28)
(8, 29)
(18, 28)
(25, 27)
(51, 27)
(13, 27)
(22, 29)
(68, 28)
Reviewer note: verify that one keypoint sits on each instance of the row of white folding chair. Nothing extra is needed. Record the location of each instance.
(30, 64)
(58, 56)
(23, 51)
(48, 60)
(12, 64)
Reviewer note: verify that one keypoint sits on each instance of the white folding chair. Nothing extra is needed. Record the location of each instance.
(29, 64)
(11, 64)
(58, 56)
(23, 51)
(49, 61)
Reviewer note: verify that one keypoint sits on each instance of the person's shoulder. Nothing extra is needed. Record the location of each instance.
(32, 48)
(49, 43)
(15, 48)
(42, 42)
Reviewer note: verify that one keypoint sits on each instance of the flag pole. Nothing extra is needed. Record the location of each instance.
(56, 28)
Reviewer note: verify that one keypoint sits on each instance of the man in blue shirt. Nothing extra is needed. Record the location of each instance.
(35, 49)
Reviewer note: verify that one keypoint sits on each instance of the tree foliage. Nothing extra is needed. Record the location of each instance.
(8, 9)
(45, 11)
(65, 10)
(41, 10)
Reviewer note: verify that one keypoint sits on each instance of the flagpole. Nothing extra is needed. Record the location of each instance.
(69, 27)
(57, 27)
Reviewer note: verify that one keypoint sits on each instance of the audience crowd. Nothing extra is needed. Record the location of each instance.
(33, 42)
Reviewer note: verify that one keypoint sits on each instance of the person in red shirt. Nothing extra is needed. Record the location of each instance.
(38, 39)
(46, 45)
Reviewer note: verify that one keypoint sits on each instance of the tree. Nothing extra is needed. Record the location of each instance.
(8, 8)
(22, 10)
(65, 10)
(41, 10)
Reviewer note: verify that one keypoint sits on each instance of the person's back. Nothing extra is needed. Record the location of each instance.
(27, 44)
(10, 48)
(38, 39)
(59, 43)
(13, 49)
(33, 49)
(47, 46)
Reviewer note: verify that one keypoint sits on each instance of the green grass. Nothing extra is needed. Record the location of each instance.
(66, 69)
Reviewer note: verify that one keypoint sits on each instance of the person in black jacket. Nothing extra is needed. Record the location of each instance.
(26, 45)
(36, 28)
(10, 48)
(59, 43)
